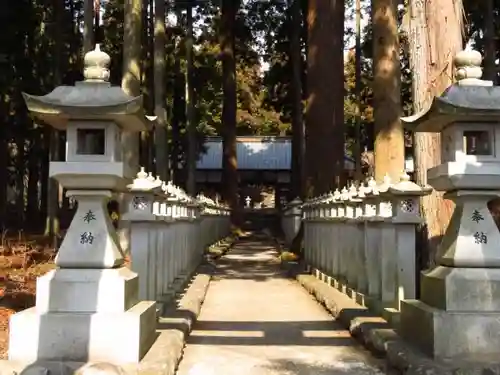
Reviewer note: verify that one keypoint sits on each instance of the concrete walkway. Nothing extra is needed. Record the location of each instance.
(257, 322)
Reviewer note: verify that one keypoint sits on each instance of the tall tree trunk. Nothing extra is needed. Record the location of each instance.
(4, 155)
(147, 85)
(32, 204)
(431, 62)
(20, 175)
(161, 142)
(490, 72)
(357, 142)
(88, 25)
(98, 37)
(389, 133)
(190, 104)
(179, 104)
(325, 104)
(54, 138)
(131, 80)
(298, 134)
(131, 84)
(229, 158)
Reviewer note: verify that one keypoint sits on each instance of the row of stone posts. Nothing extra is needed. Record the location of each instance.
(169, 231)
(363, 239)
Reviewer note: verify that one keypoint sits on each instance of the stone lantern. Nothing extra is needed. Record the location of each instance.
(459, 310)
(88, 309)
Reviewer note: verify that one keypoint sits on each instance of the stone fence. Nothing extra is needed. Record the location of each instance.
(169, 231)
(362, 240)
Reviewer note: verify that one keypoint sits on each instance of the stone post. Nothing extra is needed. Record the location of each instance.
(351, 236)
(144, 234)
(336, 226)
(372, 239)
(406, 216)
(361, 280)
(343, 241)
(388, 254)
(307, 233)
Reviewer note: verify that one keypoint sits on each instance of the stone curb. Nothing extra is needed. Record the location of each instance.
(223, 247)
(175, 326)
(378, 336)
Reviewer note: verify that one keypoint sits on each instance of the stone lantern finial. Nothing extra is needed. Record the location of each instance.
(353, 192)
(96, 65)
(344, 193)
(142, 174)
(150, 177)
(371, 186)
(468, 69)
(337, 195)
(361, 191)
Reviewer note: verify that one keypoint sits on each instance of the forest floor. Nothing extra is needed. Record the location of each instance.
(22, 260)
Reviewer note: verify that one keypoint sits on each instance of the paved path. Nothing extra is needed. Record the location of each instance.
(256, 322)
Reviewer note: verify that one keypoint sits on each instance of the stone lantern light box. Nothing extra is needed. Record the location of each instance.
(467, 115)
(94, 115)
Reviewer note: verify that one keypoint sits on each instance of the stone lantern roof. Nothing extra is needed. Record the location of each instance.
(91, 99)
(469, 99)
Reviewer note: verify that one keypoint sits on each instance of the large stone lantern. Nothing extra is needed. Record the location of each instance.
(87, 309)
(459, 311)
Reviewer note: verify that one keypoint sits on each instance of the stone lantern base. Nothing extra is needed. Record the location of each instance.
(458, 315)
(84, 315)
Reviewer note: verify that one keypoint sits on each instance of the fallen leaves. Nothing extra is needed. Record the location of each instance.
(21, 262)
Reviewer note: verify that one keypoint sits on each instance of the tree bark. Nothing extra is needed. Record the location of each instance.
(389, 134)
(190, 106)
(178, 111)
(131, 80)
(52, 220)
(98, 37)
(325, 103)
(489, 72)
(431, 61)
(357, 142)
(161, 141)
(229, 158)
(88, 25)
(298, 134)
(131, 84)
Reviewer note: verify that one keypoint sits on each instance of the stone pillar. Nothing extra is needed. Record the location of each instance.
(388, 254)
(405, 217)
(351, 240)
(335, 235)
(361, 280)
(144, 234)
(343, 240)
(372, 239)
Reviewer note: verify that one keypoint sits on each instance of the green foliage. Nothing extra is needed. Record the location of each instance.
(39, 50)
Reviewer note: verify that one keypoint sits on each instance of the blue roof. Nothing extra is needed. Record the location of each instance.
(254, 153)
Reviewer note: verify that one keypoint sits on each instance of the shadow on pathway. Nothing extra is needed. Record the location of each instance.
(256, 321)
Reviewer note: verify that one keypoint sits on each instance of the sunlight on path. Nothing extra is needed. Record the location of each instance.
(256, 322)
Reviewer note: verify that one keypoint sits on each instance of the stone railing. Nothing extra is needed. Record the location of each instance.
(362, 241)
(290, 220)
(169, 232)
